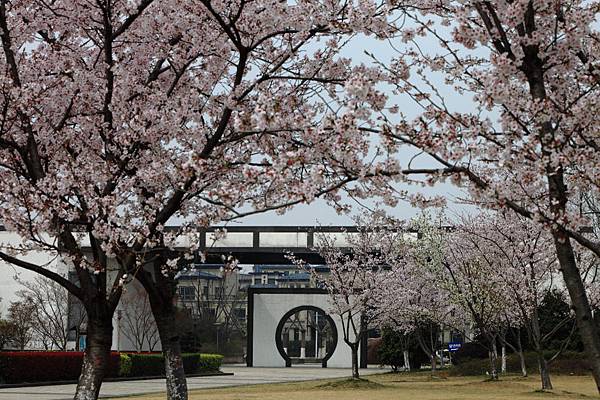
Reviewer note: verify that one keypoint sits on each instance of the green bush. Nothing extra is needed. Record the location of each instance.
(47, 366)
(209, 362)
(568, 363)
(193, 363)
(391, 349)
(147, 364)
(124, 365)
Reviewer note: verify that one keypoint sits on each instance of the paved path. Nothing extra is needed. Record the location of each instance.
(242, 376)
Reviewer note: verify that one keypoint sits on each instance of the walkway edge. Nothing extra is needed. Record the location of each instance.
(122, 379)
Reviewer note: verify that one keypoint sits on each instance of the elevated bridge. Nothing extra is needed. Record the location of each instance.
(271, 244)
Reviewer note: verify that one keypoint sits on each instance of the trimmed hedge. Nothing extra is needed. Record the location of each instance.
(124, 365)
(143, 364)
(48, 366)
(568, 363)
(42, 366)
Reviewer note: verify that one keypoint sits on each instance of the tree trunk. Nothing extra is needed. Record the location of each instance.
(544, 373)
(406, 356)
(161, 290)
(503, 364)
(588, 330)
(95, 359)
(171, 348)
(539, 351)
(354, 348)
(523, 364)
(493, 361)
(521, 355)
(433, 363)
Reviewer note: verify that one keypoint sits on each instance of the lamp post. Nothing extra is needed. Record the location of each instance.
(119, 316)
(316, 335)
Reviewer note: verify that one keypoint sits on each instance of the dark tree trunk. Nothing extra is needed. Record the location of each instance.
(429, 351)
(95, 359)
(539, 351)
(161, 302)
(161, 291)
(588, 330)
(171, 348)
(558, 191)
(354, 348)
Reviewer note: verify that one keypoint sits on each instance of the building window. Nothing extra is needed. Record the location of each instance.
(187, 293)
(240, 314)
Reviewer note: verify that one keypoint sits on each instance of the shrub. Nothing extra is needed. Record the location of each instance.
(567, 363)
(124, 365)
(154, 364)
(147, 364)
(209, 363)
(44, 366)
(391, 349)
(470, 351)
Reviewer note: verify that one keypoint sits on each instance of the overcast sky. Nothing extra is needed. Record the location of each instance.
(319, 213)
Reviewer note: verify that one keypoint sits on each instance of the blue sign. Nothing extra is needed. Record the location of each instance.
(454, 346)
(82, 342)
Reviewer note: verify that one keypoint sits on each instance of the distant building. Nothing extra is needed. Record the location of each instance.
(212, 293)
(285, 276)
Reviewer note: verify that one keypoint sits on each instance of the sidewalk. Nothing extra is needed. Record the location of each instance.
(242, 376)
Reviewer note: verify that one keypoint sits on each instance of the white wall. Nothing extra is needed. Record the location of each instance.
(121, 341)
(269, 309)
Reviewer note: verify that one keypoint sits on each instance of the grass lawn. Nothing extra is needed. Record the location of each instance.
(414, 386)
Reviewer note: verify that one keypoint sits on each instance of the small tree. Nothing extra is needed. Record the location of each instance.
(137, 321)
(7, 333)
(21, 316)
(409, 301)
(355, 274)
(393, 350)
(50, 306)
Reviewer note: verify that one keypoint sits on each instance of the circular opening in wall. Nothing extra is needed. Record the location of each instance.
(306, 334)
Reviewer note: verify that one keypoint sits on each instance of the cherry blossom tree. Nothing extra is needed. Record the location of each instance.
(355, 273)
(119, 117)
(524, 265)
(528, 73)
(409, 301)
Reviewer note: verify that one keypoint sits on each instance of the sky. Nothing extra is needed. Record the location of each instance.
(319, 212)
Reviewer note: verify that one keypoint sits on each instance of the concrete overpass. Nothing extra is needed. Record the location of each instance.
(270, 244)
